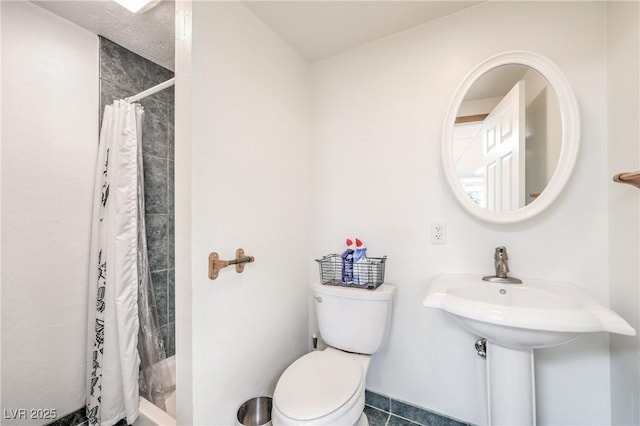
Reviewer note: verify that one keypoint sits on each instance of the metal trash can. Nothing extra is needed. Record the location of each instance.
(255, 412)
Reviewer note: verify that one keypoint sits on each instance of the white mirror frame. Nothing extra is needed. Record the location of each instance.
(570, 136)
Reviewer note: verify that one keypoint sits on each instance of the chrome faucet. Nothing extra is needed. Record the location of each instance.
(501, 264)
(500, 259)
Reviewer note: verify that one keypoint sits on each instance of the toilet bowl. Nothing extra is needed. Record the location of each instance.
(322, 387)
(328, 387)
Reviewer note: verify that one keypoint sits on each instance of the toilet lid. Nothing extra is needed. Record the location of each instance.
(316, 385)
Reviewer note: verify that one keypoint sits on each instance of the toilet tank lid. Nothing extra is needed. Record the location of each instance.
(383, 292)
(316, 385)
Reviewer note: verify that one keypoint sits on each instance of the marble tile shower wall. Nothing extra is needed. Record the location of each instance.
(122, 74)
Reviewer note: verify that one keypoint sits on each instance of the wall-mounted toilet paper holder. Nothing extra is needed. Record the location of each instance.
(215, 264)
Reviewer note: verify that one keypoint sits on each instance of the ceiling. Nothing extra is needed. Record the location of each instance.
(497, 83)
(149, 34)
(320, 29)
(316, 29)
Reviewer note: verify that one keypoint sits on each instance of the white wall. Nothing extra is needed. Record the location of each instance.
(49, 142)
(543, 133)
(182, 155)
(0, 197)
(250, 188)
(377, 114)
(623, 80)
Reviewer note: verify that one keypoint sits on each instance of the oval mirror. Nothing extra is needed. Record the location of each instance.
(510, 138)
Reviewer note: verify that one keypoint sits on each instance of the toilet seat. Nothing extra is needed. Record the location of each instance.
(319, 385)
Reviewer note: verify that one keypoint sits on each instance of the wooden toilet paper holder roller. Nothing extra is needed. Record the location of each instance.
(215, 264)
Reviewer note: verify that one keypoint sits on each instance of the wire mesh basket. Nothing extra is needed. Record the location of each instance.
(368, 274)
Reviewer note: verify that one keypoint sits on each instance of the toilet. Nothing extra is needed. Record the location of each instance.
(327, 387)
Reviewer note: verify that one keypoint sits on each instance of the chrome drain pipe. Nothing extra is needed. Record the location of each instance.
(481, 347)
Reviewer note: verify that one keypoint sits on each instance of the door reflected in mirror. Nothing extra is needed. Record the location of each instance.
(507, 138)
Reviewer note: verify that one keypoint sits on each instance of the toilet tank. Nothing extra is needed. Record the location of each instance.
(353, 319)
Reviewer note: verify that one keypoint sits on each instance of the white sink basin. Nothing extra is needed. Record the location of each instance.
(531, 315)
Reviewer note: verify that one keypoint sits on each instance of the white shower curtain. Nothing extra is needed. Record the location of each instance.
(113, 361)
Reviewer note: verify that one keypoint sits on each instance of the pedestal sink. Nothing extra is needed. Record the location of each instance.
(515, 319)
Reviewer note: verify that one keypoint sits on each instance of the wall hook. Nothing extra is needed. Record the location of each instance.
(215, 264)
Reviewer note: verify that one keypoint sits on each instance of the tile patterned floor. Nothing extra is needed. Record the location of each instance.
(380, 410)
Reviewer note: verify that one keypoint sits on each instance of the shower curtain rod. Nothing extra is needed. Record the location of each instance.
(151, 91)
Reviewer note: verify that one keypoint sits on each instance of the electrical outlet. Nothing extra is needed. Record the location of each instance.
(438, 233)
